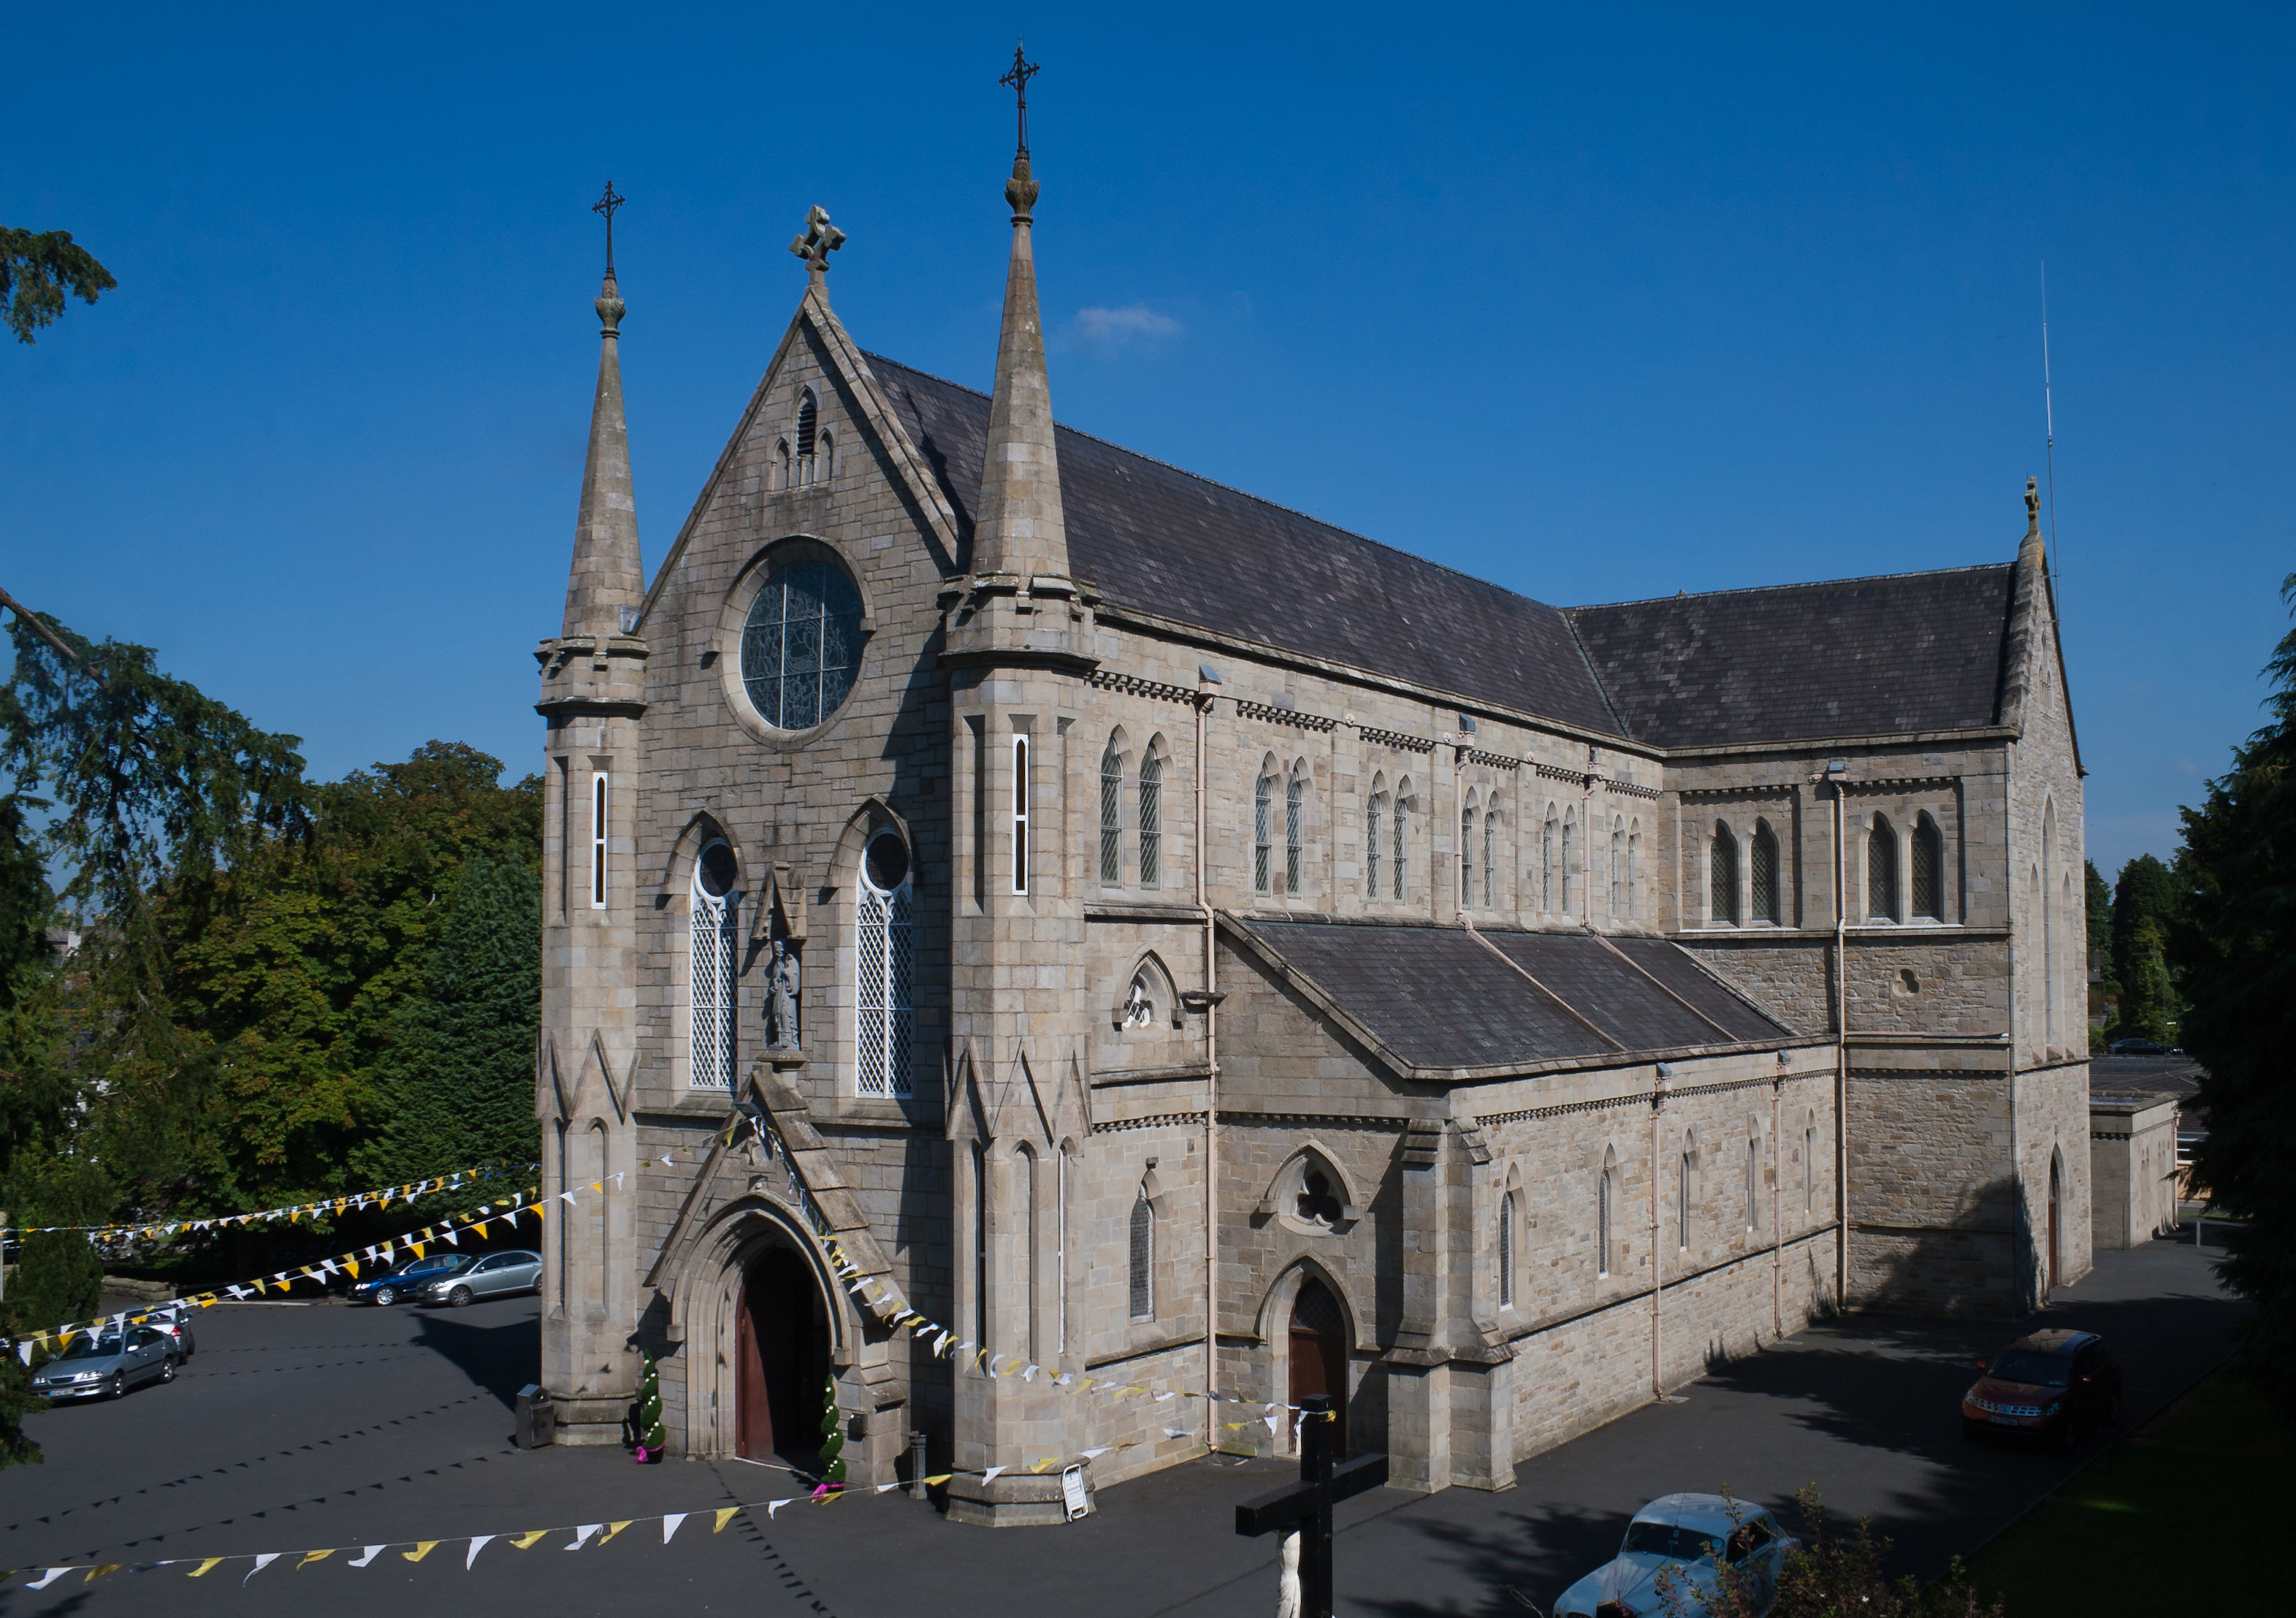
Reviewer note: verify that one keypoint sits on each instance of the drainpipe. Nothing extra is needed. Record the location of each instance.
(1777, 1181)
(1207, 679)
(1836, 771)
(1658, 1252)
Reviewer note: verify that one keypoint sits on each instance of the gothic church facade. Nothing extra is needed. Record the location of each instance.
(1175, 944)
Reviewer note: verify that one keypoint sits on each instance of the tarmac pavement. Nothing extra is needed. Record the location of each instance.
(296, 1429)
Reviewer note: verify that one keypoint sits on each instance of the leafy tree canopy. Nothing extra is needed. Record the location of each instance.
(36, 269)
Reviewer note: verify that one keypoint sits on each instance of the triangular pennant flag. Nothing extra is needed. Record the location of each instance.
(422, 1548)
(1178, 1432)
(418, 1248)
(525, 1541)
(614, 1528)
(204, 1568)
(262, 1562)
(671, 1523)
(772, 1510)
(617, 1178)
(567, 1197)
(477, 1543)
(935, 1483)
(94, 1574)
(481, 1228)
(582, 1535)
(310, 1556)
(725, 1515)
(990, 1474)
(449, 1238)
(881, 1488)
(1093, 1455)
(371, 1552)
(48, 1577)
(352, 1265)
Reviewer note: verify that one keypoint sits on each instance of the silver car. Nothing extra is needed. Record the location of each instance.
(1692, 1535)
(106, 1364)
(495, 1275)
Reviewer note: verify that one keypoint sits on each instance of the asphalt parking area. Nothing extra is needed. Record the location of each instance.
(297, 1428)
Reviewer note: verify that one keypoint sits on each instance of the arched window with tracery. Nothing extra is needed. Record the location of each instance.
(1263, 831)
(1881, 872)
(1722, 897)
(715, 940)
(1111, 816)
(1929, 870)
(1763, 889)
(884, 1024)
(1151, 817)
(1295, 829)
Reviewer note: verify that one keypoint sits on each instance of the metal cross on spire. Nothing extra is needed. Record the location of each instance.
(1021, 71)
(606, 205)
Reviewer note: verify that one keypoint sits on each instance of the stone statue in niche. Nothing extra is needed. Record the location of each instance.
(782, 985)
(1139, 1010)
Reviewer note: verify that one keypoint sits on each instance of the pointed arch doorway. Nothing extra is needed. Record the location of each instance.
(1319, 1353)
(781, 1360)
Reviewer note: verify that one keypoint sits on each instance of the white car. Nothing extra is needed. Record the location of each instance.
(1692, 1534)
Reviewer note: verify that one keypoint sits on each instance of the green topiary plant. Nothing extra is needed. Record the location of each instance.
(650, 1438)
(832, 1442)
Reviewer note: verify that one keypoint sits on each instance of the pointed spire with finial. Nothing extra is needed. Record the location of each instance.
(1020, 528)
(607, 582)
(2031, 550)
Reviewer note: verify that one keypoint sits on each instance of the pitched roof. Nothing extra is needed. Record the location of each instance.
(1436, 998)
(1906, 652)
(1153, 538)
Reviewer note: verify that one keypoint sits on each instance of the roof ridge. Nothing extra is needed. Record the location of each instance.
(1427, 562)
(1804, 583)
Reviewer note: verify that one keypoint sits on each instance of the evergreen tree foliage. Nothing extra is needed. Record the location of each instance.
(2099, 894)
(456, 1087)
(25, 902)
(2144, 901)
(833, 1439)
(646, 1425)
(2233, 941)
(36, 269)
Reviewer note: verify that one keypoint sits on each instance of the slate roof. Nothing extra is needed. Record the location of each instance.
(1907, 652)
(1165, 541)
(1437, 998)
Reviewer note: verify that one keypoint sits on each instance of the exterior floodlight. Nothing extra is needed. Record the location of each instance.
(1206, 675)
(1837, 767)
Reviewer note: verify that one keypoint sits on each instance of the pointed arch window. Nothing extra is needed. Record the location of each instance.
(1881, 871)
(1506, 1250)
(808, 422)
(1151, 818)
(1605, 1195)
(1634, 858)
(1021, 781)
(714, 941)
(1263, 832)
(1752, 1177)
(1618, 869)
(1681, 1204)
(1763, 889)
(1547, 833)
(1402, 796)
(1929, 870)
(1809, 1169)
(1491, 856)
(1295, 829)
(1570, 862)
(1467, 853)
(884, 1022)
(1111, 816)
(1374, 834)
(1722, 899)
(1142, 1267)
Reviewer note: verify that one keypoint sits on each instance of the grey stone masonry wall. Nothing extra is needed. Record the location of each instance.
(2133, 1170)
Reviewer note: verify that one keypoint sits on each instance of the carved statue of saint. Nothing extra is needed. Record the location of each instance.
(780, 997)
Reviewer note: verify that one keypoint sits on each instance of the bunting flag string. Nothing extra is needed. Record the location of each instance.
(322, 1271)
(354, 1201)
(584, 1536)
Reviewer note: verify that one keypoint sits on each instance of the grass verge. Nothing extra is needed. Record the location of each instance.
(2194, 1506)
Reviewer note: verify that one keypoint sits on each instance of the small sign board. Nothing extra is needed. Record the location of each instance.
(1072, 1493)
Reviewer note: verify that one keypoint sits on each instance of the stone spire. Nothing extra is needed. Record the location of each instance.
(606, 577)
(1020, 528)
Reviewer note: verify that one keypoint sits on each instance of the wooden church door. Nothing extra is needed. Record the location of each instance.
(781, 1360)
(1319, 1354)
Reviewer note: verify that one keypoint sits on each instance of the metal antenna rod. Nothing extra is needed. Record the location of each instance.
(2049, 414)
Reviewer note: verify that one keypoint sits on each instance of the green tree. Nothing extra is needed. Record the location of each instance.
(2234, 944)
(2100, 918)
(456, 1087)
(36, 269)
(2147, 892)
(832, 1441)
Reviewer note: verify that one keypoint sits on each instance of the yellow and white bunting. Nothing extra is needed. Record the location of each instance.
(338, 1204)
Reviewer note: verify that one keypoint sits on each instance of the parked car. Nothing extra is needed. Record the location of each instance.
(1695, 1535)
(2052, 1386)
(495, 1275)
(409, 1280)
(2136, 1047)
(104, 1365)
(175, 1328)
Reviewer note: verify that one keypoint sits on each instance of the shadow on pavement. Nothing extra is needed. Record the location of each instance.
(500, 1355)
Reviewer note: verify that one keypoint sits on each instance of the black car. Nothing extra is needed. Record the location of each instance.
(2054, 1386)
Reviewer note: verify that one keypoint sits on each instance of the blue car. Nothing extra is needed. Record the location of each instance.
(409, 1280)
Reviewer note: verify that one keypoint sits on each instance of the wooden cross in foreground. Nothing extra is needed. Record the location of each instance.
(1305, 1508)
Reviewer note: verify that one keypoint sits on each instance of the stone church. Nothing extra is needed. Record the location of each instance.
(1176, 944)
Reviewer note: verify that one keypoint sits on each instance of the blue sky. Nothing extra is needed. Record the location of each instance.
(1599, 305)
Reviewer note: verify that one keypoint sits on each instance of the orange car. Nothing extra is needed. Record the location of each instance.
(2054, 1386)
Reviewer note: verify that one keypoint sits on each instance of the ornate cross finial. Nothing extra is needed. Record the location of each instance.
(606, 205)
(2032, 506)
(1021, 71)
(819, 239)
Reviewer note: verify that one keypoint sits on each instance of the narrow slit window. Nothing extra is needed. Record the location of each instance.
(714, 942)
(1295, 832)
(1144, 1256)
(1929, 871)
(1723, 900)
(1764, 886)
(1753, 1175)
(1467, 857)
(1682, 1205)
(1617, 869)
(1603, 1224)
(1375, 828)
(1569, 865)
(1881, 871)
(1490, 860)
(1547, 864)
(884, 1022)
(599, 822)
(1506, 1250)
(1400, 815)
(1020, 814)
